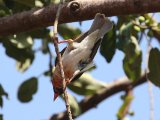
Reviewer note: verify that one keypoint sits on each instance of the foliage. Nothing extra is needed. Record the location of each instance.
(86, 85)
(1, 117)
(27, 89)
(154, 66)
(76, 110)
(2, 93)
(108, 45)
(126, 37)
(132, 60)
(123, 110)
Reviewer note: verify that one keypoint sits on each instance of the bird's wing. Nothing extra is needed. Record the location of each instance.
(94, 50)
(101, 24)
(78, 73)
(81, 37)
(56, 60)
(89, 63)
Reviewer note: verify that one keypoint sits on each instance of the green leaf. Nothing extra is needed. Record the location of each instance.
(16, 52)
(22, 41)
(154, 66)
(27, 89)
(158, 25)
(23, 65)
(45, 46)
(149, 19)
(39, 33)
(86, 85)
(68, 32)
(2, 93)
(39, 3)
(23, 56)
(132, 60)
(124, 36)
(57, 1)
(15, 6)
(1, 117)
(108, 45)
(1, 101)
(47, 73)
(141, 18)
(150, 33)
(127, 42)
(74, 105)
(3, 9)
(125, 19)
(137, 28)
(29, 3)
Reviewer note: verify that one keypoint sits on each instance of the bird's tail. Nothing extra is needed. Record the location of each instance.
(102, 24)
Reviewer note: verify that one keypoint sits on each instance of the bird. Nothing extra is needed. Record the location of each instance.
(78, 56)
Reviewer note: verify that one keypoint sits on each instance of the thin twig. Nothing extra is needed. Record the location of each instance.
(149, 83)
(151, 96)
(55, 41)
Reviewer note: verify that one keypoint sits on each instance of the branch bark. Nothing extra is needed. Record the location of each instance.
(92, 101)
(74, 11)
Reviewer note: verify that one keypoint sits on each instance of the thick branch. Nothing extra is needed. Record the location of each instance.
(77, 10)
(90, 102)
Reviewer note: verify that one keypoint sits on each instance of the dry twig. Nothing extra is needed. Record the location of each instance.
(150, 91)
(55, 41)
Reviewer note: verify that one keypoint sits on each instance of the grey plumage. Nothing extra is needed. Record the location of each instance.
(78, 55)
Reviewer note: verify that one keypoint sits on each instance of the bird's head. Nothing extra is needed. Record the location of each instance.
(57, 92)
(57, 84)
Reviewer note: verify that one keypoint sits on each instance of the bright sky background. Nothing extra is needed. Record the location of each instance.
(42, 105)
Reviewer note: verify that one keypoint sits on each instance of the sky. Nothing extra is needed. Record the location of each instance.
(42, 106)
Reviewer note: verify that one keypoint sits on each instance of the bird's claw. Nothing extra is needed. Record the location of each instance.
(67, 81)
(69, 41)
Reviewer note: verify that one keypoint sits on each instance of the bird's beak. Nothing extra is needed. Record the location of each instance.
(55, 96)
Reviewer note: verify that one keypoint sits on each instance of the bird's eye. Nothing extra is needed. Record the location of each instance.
(58, 90)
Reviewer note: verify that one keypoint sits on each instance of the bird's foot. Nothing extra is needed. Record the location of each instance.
(68, 81)
(69, 41)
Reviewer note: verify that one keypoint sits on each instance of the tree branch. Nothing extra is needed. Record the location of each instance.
(74, 11)
(90, 102)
